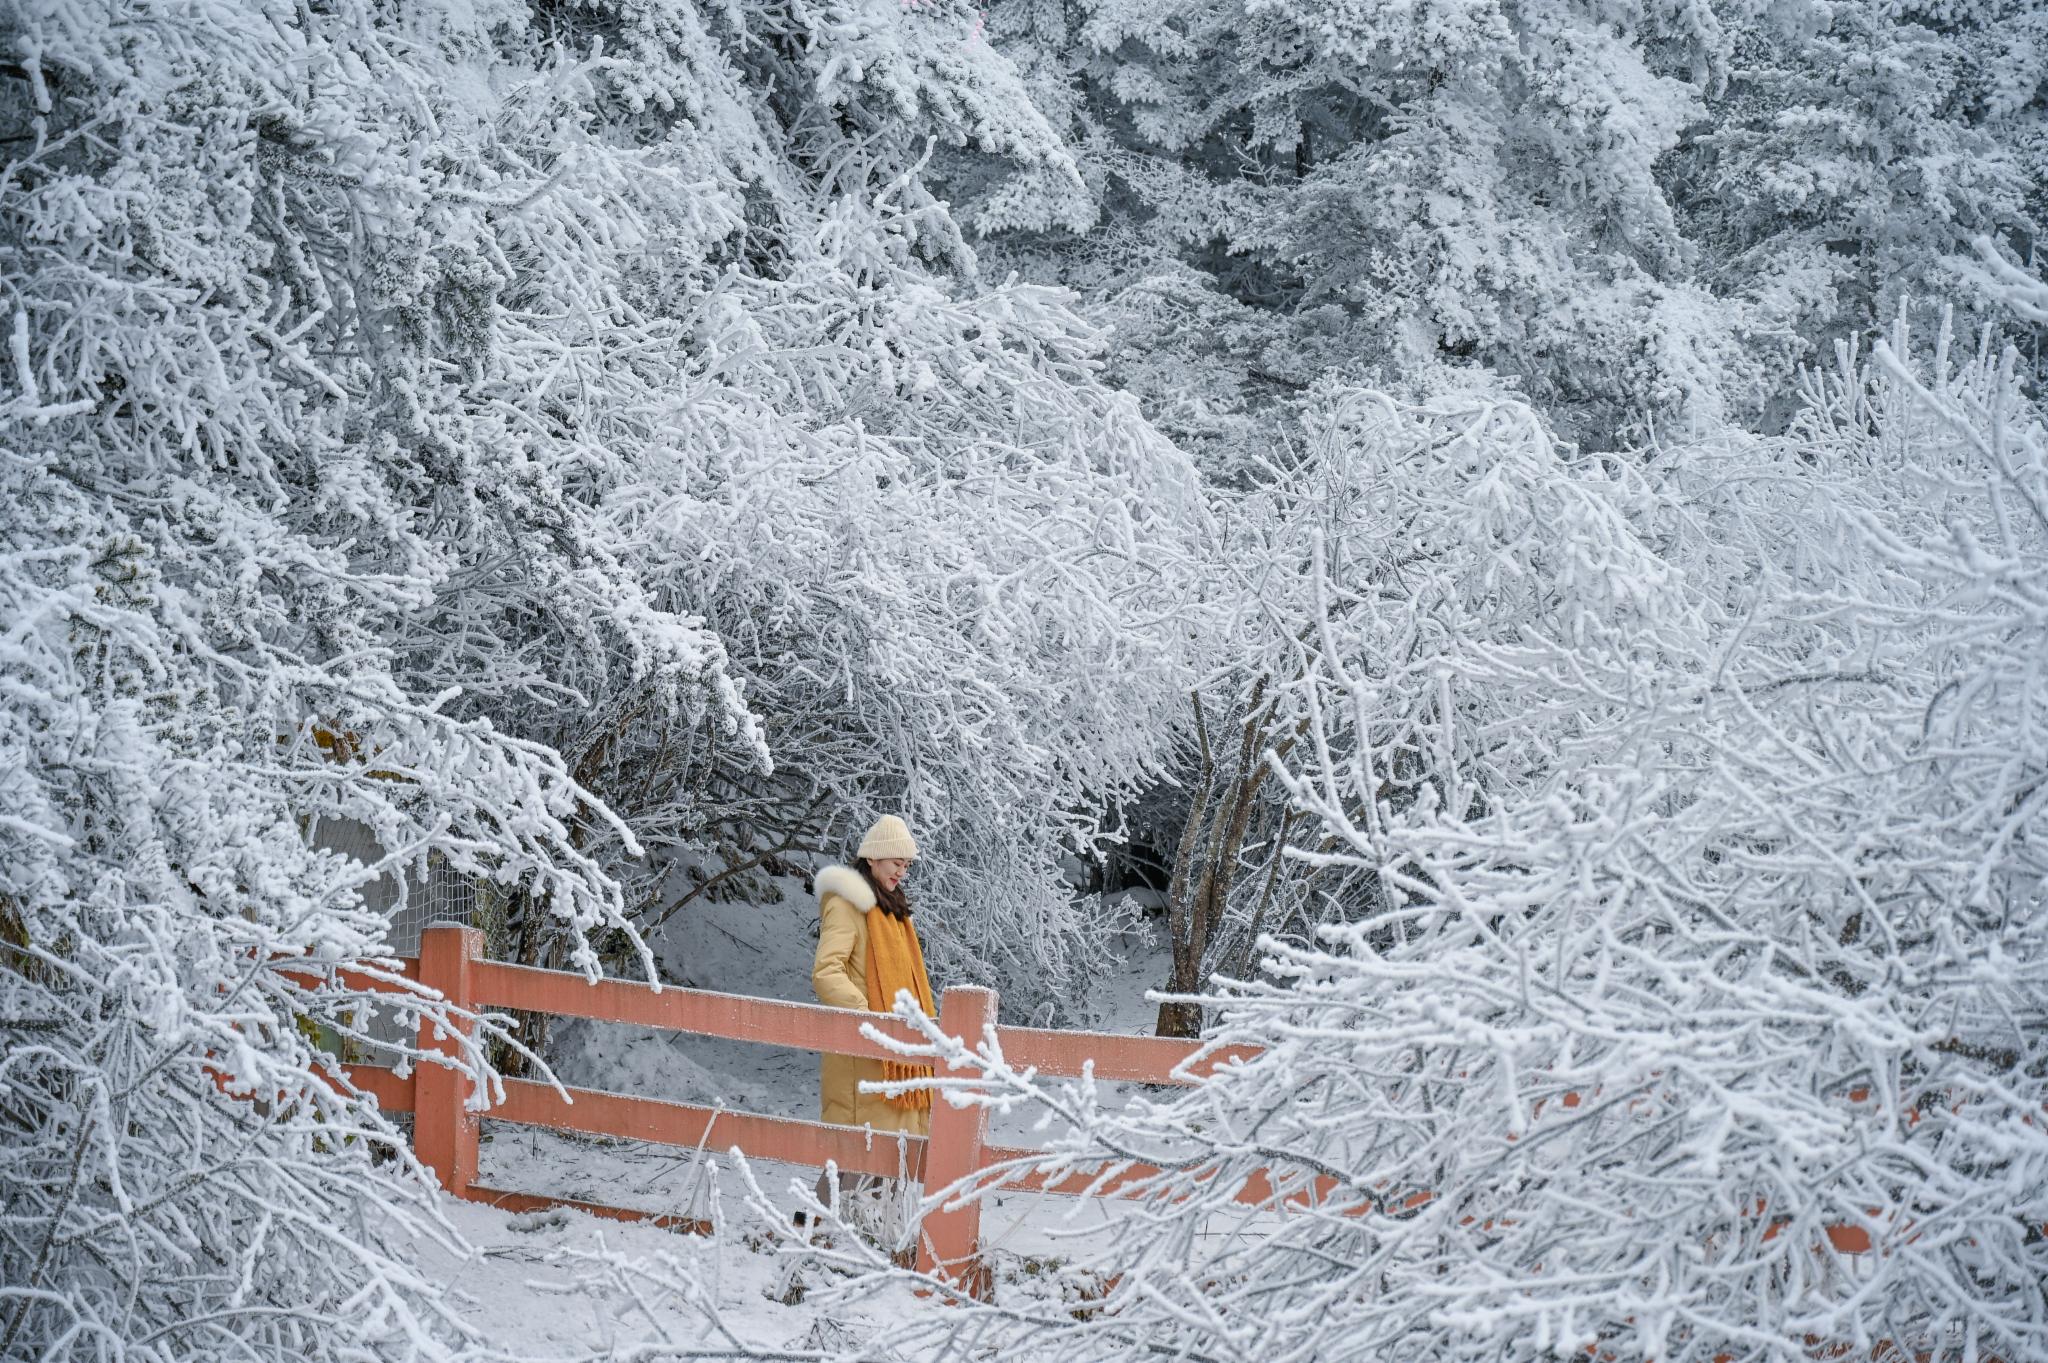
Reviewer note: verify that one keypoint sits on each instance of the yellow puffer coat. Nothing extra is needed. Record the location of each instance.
(839, 975)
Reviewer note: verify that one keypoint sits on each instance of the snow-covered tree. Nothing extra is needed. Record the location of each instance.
(252, 466)
(1709, 1023)
(376, 376)
(1396, 187)
(950, 568)
(1854, 151)
(1408, 535)
(1640, 214)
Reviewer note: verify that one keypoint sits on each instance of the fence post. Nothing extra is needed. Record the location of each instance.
(949, 1242)
(444, 1130)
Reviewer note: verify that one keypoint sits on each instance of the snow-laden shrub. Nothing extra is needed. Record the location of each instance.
(1708, 1024)
(1407, 536)
(183, 1178)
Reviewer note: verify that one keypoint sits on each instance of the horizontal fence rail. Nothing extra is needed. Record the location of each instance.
(784, 1139)
(446, 1128)
(772, 1022)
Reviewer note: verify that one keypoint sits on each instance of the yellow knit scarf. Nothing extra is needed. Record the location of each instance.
(896, 962)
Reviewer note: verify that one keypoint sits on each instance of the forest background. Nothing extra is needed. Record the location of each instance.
(1524, 525)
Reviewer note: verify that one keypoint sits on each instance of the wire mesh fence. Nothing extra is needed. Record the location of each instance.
(412, 894)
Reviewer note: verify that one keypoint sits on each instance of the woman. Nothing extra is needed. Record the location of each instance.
(868, 951)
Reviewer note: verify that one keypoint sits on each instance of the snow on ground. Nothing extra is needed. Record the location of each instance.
(662, 1179)
(559, 1284)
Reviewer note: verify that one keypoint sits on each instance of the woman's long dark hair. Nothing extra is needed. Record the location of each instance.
(892, 902)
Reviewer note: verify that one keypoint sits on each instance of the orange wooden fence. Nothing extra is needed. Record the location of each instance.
(446, 1128)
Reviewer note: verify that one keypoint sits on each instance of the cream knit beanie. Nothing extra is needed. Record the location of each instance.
(890, 837)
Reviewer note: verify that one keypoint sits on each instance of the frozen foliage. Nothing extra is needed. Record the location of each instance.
(394, 396)
(1855, 150)
(1701, 1015)
(234, 514)
(574, 446)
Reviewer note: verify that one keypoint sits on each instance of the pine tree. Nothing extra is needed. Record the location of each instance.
(1637, 215)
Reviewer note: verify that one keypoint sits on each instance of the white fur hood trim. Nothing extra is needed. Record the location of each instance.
(848, 884)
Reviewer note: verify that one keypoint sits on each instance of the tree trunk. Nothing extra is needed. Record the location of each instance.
(1171, 1021)
(1193, 913)
(529, 922)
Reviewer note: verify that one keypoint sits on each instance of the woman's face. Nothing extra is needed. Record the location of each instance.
(889, 871)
